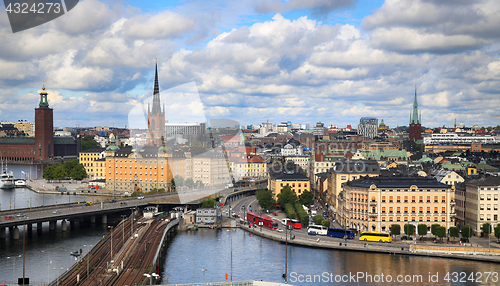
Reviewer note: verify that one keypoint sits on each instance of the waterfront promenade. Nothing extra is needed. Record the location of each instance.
(444, 251)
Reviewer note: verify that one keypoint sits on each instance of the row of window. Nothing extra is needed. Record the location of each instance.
(488, 197)
(488, 217)
(428, 219)
(140, 173)
(413, 199)
(130, 179)
(488, 207)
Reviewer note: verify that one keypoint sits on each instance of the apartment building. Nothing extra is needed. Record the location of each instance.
(92, 161)
(375, 203)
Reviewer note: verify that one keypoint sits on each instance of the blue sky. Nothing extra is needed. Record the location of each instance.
(303, 61)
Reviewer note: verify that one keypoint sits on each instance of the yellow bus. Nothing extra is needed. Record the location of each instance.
(375, 236)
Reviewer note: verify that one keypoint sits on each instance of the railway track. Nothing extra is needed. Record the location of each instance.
(133, 256)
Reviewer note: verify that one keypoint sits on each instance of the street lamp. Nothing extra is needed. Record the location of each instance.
(88, 257)
(204, 270)
(58, 274)
(111, 227)
(194, 268)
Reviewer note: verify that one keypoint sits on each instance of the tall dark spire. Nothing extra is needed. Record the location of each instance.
(415, 118)
(156, 93)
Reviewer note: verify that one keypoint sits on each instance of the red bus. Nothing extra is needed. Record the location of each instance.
(295, 223)
(266, 221)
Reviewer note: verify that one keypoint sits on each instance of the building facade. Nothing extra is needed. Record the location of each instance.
(297, 182)
(368, 127)
(156, 117)
(375, 203)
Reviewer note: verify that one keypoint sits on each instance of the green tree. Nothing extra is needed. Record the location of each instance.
(434, 228)
(179, 180)
(208, 203)
(422, 229)
(497, 231)
(266, 199)
(172, 184)
(306, 198)
(454, 231)
(318, 219)
(303, 216)
(89, 142)
(326, 223)
(78, 172)
(48, 172)
(290, 212)
(287, 196)
(60, 172)
(466, 231)
(395, 229)
(441, 232)
(486, 228)
(409, 229)
(189, 183)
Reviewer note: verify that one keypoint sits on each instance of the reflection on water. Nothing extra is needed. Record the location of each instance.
(255, 258)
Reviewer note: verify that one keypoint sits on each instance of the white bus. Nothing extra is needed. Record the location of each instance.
(317, 229)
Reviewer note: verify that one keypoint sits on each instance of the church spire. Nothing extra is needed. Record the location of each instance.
(156, 93)
(415, 118)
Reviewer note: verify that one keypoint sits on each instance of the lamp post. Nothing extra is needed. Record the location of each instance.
(111, 257)
(194, 268)
(88, 257)
(204, 270)
(123, 229)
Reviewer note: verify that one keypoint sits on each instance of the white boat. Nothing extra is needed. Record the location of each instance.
(6, 180)
(20, 183)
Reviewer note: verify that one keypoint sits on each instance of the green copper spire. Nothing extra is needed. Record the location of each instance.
(414, 118)
(43, 98)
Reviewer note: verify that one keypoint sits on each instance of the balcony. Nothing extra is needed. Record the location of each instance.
(372, 214)
(373, 203)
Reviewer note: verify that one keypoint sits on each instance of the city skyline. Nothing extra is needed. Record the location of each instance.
(333, 62)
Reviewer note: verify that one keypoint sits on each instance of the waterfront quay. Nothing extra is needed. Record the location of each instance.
(457, 252)
(126, 256)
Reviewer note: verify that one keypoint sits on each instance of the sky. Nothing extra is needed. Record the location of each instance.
(258, 60)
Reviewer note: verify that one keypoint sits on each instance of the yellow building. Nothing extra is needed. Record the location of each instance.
(375, 203)
(254, 167)
(210, 168)
(143, 170)
(297, 182)
(92, 160)
(347, 170)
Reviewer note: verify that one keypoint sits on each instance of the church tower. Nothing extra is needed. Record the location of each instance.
(156, 117)
(44, 129)
(415, 121)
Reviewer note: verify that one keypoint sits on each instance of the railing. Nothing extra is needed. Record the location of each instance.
(234, 283)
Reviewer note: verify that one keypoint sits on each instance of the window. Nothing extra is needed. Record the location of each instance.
(412, 199)
(443, 210)
(383, 199)
(481, 207)
(398, 199)
(342, 177)
(443, 199)
(399, 210)
(390, 199)
(390, 210)
(412, 210)
(435, 210)
(383, 210)
(428, 210)
(495, 197)
(406, 199)
(406, 210)
(481, 217)
(482, 197)
(428, 199)
(488, 207)
(420, 199)
(488, 197)
(495, 217)
(420, 210)
(435, 199)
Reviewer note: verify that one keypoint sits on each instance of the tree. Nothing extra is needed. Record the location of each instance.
(179, 181)
(89, 142)
(208, 203)
(497, 231)
(395, 229)
(454, 231)
(78, 172)
(266, 199)
(318, 219)
(306, 198)
(441, 232)
(189, 183)
(326, 223)
(60, 172)
(48, 172)
(434, 228)
(486, 228)
(409, 229)
(466, 231)
(172, 183)
(287, 196)
(290, 212)
(422, 229)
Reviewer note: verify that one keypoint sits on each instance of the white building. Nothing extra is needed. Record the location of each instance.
(368, 127)
(172, 129)
(453, 138)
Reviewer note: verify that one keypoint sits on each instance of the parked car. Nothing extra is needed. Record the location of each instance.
(87, 204)
(56, 212)
(112, 201)
(10, 217)
(21, 215)
(140, 197)
(123, 203)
